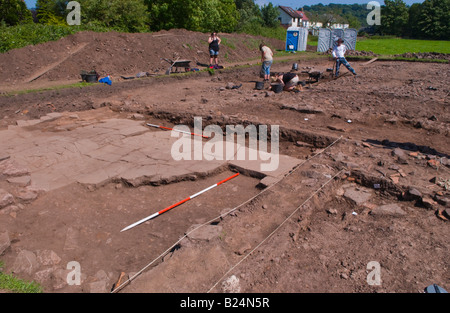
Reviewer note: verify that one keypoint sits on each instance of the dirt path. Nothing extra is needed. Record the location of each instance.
(36, 84)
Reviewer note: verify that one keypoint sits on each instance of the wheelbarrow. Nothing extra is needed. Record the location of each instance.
(177, 64)
(314, 74)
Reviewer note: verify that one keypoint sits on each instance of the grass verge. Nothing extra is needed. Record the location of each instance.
(14, 37)
(392, 46)
(13, 284)
(59, 87)
(394, 58)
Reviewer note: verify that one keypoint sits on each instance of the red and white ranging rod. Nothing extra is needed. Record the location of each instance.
(178, 203)
(181, 131)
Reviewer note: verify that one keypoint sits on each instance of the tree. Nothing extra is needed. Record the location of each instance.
(229, 16)
(434, 19)
(195, 15)
(123, 15)
(250, 14)
(217, 15)
(130, 15)
(328, 18)
(14, 12)
(270, 15)
(394, 17)
(414, 12)
(50, 12)
(160, 14)
(353, 21)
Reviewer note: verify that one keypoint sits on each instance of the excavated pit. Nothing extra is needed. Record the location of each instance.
(386, 204)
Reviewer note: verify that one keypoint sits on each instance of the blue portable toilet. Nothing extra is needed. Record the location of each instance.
(296, 39)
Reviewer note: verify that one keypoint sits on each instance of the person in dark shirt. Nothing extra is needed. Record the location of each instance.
(289, 80)
(214, 46)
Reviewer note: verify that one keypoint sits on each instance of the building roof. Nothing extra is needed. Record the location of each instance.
(304, 17)
(291, 12)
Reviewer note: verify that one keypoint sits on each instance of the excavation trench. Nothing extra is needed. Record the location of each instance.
(285, 134)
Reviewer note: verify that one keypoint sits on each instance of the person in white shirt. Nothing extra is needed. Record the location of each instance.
(339, 55)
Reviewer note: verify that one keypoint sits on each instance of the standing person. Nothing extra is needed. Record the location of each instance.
(339, 55)
(266, 59)
(214, 42)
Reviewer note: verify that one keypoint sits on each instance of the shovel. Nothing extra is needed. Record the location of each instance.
(169, 70)
(332, 72)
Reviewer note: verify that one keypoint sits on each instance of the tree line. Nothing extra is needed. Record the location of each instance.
(353, 14)
(427, 20)
(148, 15)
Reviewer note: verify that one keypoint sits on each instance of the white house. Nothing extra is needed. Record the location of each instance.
(337, 25)
(315, 24)
(289, 17)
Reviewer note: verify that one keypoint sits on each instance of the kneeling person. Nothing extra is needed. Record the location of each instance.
(289, 80)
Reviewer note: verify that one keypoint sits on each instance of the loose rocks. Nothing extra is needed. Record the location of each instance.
(388, 209)
(5, 198)
(4, 242)
(26, 262)
(357, 196)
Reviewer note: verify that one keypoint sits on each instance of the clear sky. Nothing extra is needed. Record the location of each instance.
(30, 3)
(290, 3)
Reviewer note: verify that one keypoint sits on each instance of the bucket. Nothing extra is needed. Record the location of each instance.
(277, 88)
(90, 78)
(295, 66)
(259, 85)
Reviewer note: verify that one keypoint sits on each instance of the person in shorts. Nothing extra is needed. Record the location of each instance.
(289, 80)
(267, 60)
(214, 46)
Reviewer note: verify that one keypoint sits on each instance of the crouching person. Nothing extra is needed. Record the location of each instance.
(288, 80)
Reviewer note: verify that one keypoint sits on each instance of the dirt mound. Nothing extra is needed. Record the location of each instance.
(360, 53)
(425, 55)
(354, 53)
(417, 55)
(116, 53)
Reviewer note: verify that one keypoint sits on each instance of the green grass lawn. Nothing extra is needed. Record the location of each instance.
(392, 46)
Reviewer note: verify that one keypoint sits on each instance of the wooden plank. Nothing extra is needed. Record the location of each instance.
(371, 61)
(53, 65)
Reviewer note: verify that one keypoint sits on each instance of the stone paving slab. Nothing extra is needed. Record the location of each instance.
(47, 155)
(266, 165)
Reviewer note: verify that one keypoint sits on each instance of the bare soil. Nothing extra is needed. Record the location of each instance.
(383, 135)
